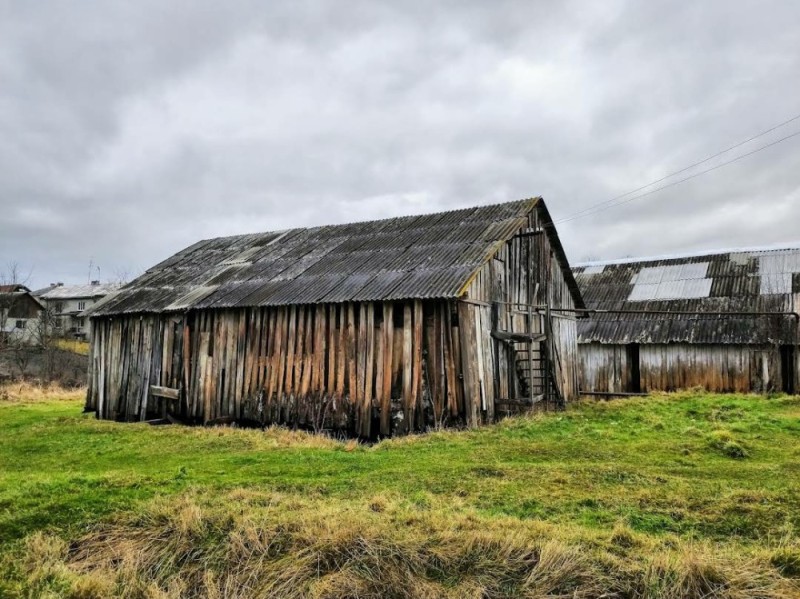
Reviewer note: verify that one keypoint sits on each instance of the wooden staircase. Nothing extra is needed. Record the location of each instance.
(535, 359)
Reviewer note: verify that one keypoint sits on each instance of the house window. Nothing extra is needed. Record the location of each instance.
(59, 307)
(81, 306)
(80, 322)
(21, 324)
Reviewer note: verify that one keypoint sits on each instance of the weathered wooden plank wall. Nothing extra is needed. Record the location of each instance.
(604, 368)
(365, 368)
(669, 367)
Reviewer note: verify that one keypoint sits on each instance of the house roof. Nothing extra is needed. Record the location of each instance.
(13, 287)
(63, 292)
(426, 256)
(19, 304)
(749, 280)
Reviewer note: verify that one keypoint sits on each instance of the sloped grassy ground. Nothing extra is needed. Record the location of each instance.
(684, 495)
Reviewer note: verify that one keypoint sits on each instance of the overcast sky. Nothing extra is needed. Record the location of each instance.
(129, 130)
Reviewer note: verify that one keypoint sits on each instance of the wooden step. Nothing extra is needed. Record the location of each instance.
(519, 337)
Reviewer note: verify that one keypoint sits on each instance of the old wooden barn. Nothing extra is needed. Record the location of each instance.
(725, 321)
(373, 328)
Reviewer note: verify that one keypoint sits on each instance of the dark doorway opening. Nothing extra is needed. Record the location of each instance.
(635, 382)
(788, 368)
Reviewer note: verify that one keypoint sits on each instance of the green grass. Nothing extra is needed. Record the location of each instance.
(690, 467)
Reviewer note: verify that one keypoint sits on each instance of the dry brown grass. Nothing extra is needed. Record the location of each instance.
(32, 392)
(75, 346)
(253, 544)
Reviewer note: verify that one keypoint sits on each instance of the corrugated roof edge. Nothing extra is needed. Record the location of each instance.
(793, 245)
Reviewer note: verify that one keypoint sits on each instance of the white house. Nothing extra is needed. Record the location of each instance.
(67, 303)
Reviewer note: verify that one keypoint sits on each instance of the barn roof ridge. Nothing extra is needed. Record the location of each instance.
(450, 211)
(423, 256)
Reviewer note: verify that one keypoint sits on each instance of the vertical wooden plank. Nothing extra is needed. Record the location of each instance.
(386, 388)
(299, 355)
(166, 352)
(268, 347)
(249, 353)
(290, 339)
(202, 363)
(101, 379)
(461, 383)
(433, 362)
(352, 383)
(308, 355)
(361, 357)
(280, 357)
(380, 341)
(263, 385)
(216, 364)
(469, 353)
(369, 367)
(320, 326)
(480, 361)
(242, 360)
(451, 381)
(416, 393)
(489, 362)
(341, 356)
(408, 360)
(330, 380)
(225, 364)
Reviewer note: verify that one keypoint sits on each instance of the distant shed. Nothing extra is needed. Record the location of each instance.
(373, 328)
(725, 321)
(20, 316)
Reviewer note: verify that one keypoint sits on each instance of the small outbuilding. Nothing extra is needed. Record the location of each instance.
(724, 321)
(20, 317)
(372, 329)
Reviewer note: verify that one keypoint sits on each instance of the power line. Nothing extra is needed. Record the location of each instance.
(592, 209)
(600, 208)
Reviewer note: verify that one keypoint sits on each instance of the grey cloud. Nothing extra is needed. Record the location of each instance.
(132, 130)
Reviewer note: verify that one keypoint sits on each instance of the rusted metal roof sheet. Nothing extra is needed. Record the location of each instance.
(426, 256)
(737, 281)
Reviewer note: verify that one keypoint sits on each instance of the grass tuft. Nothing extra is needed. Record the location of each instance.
(726, 443)
(787, 560)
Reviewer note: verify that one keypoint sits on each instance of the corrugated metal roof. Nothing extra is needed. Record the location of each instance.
(425, 256)
(78, 291)
(760, 280)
